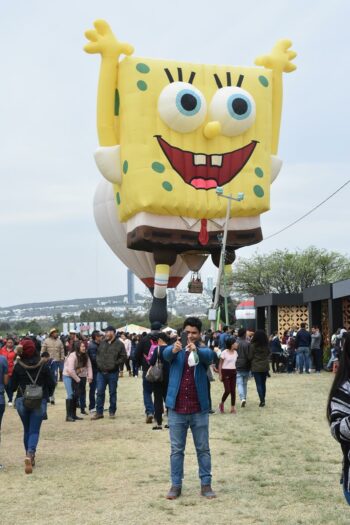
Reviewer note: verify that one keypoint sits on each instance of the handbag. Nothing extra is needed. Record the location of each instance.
(33, 393)
(155, 372)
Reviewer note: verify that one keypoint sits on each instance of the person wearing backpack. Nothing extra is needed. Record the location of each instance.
(144, 352)
(33, 381)
(110, 355)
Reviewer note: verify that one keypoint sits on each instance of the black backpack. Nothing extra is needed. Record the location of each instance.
(33, 393)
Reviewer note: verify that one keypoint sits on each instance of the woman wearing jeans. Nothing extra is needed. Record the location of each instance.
(260, 365)
(338, 412)
(31, 368)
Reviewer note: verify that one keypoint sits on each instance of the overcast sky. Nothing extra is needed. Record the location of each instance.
(51, 248)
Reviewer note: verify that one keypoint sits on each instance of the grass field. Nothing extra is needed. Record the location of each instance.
(276, 465)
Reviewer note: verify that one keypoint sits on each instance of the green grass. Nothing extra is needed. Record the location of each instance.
(276, 465)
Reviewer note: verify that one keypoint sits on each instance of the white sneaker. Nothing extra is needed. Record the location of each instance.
(92, 410)
(10, 404)
(243, 403)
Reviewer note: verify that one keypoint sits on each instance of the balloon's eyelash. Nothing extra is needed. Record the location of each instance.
(228, 80)
(179, 75)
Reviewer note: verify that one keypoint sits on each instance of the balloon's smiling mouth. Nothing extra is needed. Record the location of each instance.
(204, 172)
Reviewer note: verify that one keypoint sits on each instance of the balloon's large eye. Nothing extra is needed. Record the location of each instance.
(182, 107)
(234, 108)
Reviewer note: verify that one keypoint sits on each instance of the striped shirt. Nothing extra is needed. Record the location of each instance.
(340, 426)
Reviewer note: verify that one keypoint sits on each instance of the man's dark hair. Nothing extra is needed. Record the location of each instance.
(94, 334)
(225, 328)
(302, 325)
(242, 332)
(193, 321)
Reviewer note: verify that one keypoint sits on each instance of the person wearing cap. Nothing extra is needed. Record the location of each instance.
(110, 355)
(54, 346)
(31, 368)
(92, 349)
(143, 354)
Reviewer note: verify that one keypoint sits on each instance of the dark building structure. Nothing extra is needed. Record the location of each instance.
(327, 306)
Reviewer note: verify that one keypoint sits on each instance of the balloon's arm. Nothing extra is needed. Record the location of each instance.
(102, 41)
(279, 60)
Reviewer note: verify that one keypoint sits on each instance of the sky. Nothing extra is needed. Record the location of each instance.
(51, 248)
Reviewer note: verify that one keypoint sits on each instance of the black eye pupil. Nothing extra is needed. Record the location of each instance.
(188, 102)
(239, 106)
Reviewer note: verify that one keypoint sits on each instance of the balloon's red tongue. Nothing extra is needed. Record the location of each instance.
(203, 234)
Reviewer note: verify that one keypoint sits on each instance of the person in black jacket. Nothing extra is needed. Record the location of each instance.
(92, 350)
(160, 388)
(302, 344)
(31, 368)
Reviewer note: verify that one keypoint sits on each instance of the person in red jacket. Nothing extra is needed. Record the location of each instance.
(9, 352)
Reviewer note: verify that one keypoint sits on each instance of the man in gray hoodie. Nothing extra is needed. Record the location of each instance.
(243, 365)
(316, 350)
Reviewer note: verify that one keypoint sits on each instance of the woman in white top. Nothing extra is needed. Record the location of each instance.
(227, 373)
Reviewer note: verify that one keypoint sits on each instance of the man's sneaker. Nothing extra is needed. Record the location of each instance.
(243, 403)
(9, 403)
(111, 416)
(92, 411)
(262, 404)
(174, 492)
(207, 492)
(96, 416)
(149, 418)
(221, 408)
(52, 401)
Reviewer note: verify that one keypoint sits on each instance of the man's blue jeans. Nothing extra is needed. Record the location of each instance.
(260, 381)
(303, 356)
(147, 395)
(199, 425)
(242, 383)
(31, 420)
(102, 380)
(55, 367)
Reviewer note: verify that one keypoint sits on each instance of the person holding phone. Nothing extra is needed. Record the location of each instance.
(188, 404)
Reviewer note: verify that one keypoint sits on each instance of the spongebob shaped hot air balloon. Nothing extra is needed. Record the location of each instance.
(170, 134)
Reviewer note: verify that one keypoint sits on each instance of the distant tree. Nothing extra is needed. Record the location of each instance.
(283, 271)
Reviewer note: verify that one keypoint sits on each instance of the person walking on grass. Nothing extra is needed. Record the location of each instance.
(188, 405)
(338, 413)
(160, 388)
(260, 354)
(3, 382)
(31, 372)
(54, 346)
(110, 355)
(227, 373)
(302, 344)
(243, 365)
(9, 352)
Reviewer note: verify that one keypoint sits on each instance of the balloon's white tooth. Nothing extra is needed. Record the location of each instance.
(216, 160)
(199, 160)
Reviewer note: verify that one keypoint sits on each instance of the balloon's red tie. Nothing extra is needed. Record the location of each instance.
(203, 234)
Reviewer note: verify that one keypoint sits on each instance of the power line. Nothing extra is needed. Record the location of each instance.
(309, 212)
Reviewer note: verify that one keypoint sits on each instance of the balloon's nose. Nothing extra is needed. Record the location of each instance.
(212, 129)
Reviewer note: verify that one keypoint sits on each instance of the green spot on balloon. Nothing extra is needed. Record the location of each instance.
(167, 186)
(116, 103)
(118, 198)
(125, 166)
(141, 84)
(158, 167)
(263, 81)
(258, 190)
(142, 68)
(259, 172)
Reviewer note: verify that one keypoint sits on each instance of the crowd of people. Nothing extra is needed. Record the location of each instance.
(177, 372)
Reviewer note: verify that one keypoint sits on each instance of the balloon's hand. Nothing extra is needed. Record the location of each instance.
(103, 41)
(280, 58)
